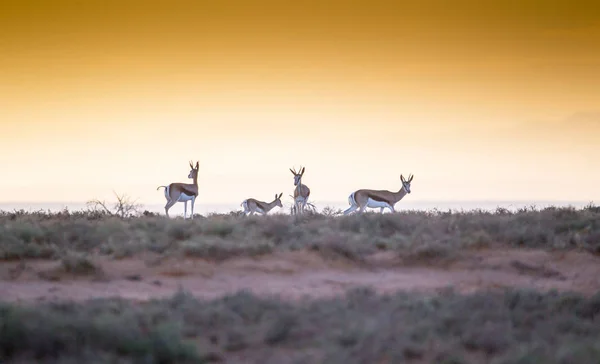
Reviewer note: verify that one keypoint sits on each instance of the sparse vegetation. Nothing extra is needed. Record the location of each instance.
(123, 207)
(413, 234)
(78, 264)
(514, 326)
(499, 327)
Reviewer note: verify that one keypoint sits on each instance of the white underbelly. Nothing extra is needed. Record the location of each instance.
(376, 204)
(183, 197)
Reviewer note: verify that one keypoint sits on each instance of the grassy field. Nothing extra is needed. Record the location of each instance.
(362, 327)
(413, 234)
(499, 326)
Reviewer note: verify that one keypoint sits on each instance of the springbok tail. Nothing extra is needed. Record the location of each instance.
(244, 205)
(167, 191)
(351, 199)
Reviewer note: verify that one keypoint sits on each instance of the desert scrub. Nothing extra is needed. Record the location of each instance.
(360, 327)
(419, 233)
(100, 333)
(79, 264)
(218, 249)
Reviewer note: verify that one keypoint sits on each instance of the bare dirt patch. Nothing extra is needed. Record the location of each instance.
(293, 275)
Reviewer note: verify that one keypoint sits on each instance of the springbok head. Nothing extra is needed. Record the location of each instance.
(278, 200)
(406, 182)
(297, 175)
(194, 170)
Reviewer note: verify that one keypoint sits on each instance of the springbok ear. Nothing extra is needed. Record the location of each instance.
(411, 178)
(294, 173)
(402, 178)
(197, 164)
(302, 171)
(281, 194)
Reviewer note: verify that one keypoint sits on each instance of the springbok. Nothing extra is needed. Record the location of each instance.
(363, 198)
(252, 205)
(308, 204)
(183, 192)
(301, 192)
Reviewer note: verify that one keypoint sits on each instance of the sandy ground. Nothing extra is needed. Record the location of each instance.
(293, 275)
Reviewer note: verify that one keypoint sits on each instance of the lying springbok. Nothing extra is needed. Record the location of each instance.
(183, 192)
(363, 198)
(252, 205)
(301, 192)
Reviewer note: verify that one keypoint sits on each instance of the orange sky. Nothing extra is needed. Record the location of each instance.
(487, 100)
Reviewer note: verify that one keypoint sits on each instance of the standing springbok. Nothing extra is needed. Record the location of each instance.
(363, 198)
(301, 192)
(183, 192)
(308, 204)
(252, 205)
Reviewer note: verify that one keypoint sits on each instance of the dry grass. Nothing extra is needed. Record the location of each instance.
(415, 235)
(362, 327)
(513, 326)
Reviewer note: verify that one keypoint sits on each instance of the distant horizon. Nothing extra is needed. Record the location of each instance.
(405, 200)
(207, 208)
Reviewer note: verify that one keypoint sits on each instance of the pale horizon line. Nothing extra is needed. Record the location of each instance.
(491, 200)
(74, 205)
(345, 199)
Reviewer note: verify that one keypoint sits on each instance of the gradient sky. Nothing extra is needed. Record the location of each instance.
(495, 100)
